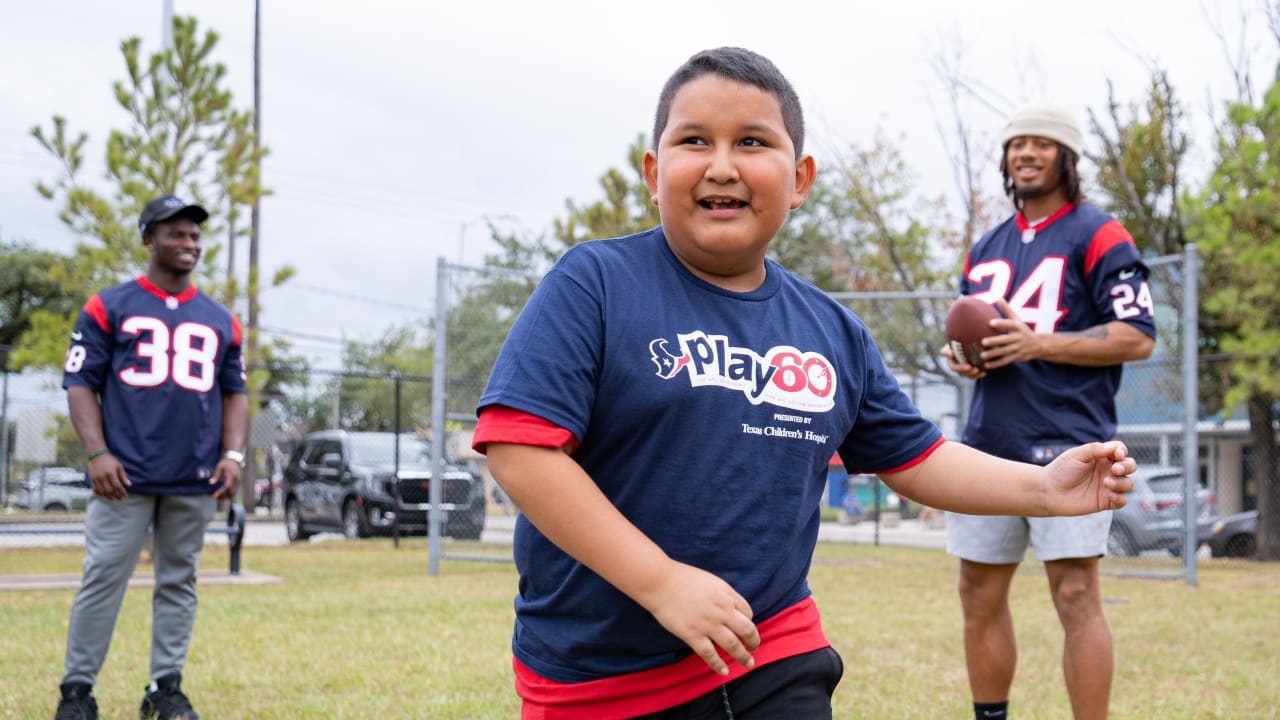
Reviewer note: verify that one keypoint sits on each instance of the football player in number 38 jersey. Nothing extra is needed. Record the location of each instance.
(156, 390)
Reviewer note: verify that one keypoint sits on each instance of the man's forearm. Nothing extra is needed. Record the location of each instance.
(86, 417)
(1112, 343)
(235, 421)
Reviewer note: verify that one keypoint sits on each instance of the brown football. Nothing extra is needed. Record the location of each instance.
(968, 321)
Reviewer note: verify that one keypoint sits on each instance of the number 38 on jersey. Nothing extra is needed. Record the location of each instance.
(188, 355)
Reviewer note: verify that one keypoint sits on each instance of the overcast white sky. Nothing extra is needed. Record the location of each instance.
(394, 124)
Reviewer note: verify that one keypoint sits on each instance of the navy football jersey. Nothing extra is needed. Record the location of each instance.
(1071, 271)
(160, 364)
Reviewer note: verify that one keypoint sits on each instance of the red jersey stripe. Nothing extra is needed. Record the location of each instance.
(95, 310)
(1021, 221)
(1108, 236)
(163, 294)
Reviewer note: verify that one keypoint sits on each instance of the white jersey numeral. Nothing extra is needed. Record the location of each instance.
(75, 359)
(1037, 301)
(194, 348)
(1127, 304)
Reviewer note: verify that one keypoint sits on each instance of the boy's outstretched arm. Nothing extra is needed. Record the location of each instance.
(1086, 479)
(566, 505)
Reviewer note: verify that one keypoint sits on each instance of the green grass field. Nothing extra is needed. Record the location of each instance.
(360, 630)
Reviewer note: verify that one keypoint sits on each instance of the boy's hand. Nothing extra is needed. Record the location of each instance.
(705, 612)
(1089, 478)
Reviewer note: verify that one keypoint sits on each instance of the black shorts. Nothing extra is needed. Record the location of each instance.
(794, 687)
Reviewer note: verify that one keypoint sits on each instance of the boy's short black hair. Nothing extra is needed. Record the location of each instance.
(744, 66)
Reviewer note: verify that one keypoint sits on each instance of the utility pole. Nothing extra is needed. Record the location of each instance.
(251, 339)
(166, 25)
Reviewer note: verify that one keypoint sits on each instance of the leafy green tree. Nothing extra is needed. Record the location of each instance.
(885, 237)
(183, 136)
(1141, 164)
(31, 281)
(627, 206)
(1236, 224)
(1140, 174)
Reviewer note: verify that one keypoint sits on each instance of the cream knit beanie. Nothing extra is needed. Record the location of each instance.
(1045, 119)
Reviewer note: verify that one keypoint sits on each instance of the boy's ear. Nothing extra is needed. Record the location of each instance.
(806, 173)
(649, 168)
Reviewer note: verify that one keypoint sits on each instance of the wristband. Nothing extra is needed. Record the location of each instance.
(99, 451)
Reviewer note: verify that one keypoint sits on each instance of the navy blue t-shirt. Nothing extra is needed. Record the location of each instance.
(1076, 269)
(707, 417)
(160, 365)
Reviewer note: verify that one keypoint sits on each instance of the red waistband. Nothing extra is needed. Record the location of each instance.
(795, 630)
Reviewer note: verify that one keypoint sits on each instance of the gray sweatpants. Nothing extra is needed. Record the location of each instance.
(115, 531)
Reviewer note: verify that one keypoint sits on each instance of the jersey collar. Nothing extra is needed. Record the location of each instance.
(163, 294)
(1022, 223)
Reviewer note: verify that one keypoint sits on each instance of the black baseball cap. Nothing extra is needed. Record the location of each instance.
(166, 207)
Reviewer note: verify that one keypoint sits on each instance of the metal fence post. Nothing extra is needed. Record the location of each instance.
(1190, 410)
(438, 362)
(4, 427)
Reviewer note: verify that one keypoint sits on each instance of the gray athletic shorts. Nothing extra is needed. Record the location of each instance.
(1002, 539)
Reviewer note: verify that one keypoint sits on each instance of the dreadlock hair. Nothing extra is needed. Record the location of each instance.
(1068, 176)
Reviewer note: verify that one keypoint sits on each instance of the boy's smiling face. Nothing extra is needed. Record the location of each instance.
(724, 176)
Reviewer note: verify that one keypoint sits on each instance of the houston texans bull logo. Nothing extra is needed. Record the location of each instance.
(783, 376)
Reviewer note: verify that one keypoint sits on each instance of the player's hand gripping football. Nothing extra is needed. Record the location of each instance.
(1089, 478)
(959, 366)
(706, 613)
(1016, 343)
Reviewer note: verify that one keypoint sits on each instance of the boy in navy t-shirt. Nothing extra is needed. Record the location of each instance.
(663, 413)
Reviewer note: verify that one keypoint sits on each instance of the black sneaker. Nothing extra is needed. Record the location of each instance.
(167, 702)
(77, 703)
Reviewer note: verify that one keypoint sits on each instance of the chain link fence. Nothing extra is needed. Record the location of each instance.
(1161, 411)
(1157, 397)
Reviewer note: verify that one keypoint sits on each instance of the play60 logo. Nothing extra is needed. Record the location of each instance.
(783, 376)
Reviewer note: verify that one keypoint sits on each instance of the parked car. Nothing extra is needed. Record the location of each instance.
(1235, 535)
(1153, 517)
(345, 481)
(53, 488)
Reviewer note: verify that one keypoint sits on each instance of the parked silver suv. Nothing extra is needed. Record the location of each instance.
(1153, 517)
(53, 488)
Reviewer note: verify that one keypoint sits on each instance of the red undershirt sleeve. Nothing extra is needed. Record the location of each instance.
(499, 423)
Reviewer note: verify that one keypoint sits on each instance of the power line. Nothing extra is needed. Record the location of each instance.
(332, 190)
(411, 195)
(330, 292)
(302, 335)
